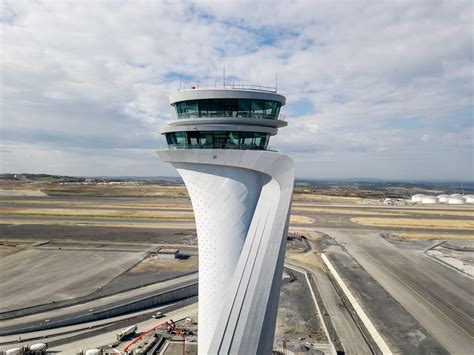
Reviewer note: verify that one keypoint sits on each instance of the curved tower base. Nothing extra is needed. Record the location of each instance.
(241, 201)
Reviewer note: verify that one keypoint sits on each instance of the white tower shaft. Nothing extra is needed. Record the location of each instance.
(241, 201)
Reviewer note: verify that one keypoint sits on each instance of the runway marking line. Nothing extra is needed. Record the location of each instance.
(418, 294)
(360, 312)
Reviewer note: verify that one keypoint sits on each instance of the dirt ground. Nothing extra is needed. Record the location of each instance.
(151, 264)
(297, 315)
(37, 276)
(297, 219)
(11, 247)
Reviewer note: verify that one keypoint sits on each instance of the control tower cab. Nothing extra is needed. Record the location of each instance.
(224, 118)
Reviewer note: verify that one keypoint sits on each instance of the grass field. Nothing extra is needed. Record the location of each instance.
(389, 212)
(436, 235)
(421, 223)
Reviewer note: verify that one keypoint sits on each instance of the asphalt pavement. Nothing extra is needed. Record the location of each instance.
(438, 297)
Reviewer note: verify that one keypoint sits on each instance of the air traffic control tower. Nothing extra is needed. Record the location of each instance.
(241, 195)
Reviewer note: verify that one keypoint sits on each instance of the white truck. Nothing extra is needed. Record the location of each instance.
(127, 332)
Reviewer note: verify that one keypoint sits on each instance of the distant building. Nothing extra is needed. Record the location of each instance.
(168, 253)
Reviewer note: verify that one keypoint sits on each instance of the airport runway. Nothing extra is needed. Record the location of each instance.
(155, 233)
(438, 297)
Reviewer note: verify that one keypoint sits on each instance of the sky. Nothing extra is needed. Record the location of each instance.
(374, 89)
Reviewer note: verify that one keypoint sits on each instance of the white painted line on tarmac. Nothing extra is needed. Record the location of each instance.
(303, 271)
(360, 312)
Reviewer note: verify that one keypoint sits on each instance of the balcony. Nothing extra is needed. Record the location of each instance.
(230, 114)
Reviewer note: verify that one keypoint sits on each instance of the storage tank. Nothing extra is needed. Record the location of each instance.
(469, 198)
(417, 198)
(456, 200)
(429, 200)
(443, 198)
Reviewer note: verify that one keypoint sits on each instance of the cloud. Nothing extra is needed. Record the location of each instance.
(366, 82)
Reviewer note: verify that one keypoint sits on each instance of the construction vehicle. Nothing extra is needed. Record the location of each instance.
(127, 332)
(35, 349)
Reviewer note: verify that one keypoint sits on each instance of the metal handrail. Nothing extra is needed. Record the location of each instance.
(233, 86)
(232, 114)
(226, 146)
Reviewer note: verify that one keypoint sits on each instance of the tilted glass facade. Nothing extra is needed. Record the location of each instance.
(228, 108)
(217, 140)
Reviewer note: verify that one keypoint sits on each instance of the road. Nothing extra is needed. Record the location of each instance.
(96, 305)
(110, 337)
(104, 338)
(438, 297)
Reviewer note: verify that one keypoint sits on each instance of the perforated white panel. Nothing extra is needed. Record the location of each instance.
(224, 200)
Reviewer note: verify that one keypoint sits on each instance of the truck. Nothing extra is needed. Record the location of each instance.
(126, 332)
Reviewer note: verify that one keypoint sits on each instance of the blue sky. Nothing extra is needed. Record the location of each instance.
(374, 89)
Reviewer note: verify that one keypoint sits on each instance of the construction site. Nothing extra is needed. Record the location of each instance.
(82, 274)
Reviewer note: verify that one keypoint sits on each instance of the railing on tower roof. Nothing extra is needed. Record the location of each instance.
(229, 86)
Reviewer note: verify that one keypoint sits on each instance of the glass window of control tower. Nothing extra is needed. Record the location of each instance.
(258, 108)
(252, 108)
(187, 109)
(217, 140)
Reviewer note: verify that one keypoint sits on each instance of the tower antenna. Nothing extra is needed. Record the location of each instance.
(179, 81)
(276, 81)
(223, 75)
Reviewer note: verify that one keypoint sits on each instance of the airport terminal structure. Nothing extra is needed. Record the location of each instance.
(241, 196)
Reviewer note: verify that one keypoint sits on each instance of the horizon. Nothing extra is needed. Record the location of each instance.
(348, 179)
(389, 97)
